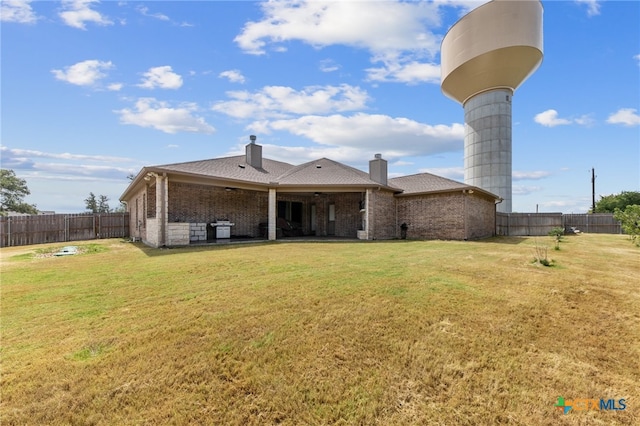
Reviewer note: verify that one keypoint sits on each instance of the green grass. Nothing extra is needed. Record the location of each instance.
(397, 332)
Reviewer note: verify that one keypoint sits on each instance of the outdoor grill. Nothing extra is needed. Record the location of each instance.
(223, 228)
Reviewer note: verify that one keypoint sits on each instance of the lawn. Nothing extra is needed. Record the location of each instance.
(293, 333)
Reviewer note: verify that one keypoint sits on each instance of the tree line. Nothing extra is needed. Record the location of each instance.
(13, 190)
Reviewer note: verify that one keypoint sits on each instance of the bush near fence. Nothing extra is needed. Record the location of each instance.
(539, 224)
(53, 228)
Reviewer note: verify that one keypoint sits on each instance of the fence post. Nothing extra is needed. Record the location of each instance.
(9, 231)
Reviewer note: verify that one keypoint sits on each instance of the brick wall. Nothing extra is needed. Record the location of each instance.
(348, 217)
(247, 209)
(435, 216)
(137, 214)
(381, 214)
(481, 217)
(447, 216)
(205, 204)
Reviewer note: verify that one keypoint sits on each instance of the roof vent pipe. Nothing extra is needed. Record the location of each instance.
(254, 153)
(378, 170)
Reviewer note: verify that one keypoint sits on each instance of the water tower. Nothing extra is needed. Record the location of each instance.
(485, 56)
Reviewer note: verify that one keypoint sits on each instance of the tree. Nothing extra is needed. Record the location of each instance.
(91, 203)
(609, 203)
(103, 204)
(630, 220)
(97, 205)
(12, 192)
(122, 208)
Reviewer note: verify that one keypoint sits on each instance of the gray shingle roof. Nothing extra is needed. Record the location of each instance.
(426, 182)
(325, 172)
(318, 172)
(235, 168)
(322, 172)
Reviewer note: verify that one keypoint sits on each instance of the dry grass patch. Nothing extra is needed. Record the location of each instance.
(393, 332)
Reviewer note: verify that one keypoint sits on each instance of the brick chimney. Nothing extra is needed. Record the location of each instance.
(378, 169)
(254, 153)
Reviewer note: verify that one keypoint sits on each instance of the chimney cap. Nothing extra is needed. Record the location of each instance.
(378, 156)
(252, 138)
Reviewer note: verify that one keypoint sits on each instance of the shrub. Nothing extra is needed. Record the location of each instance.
(557, 234)
(541, 254)
(630, 220)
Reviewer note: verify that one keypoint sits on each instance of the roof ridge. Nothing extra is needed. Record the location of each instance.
(302, 166)
(430, 174)
(195, 161)
(219, 159)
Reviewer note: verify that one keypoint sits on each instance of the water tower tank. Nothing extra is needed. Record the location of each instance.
(485, 57)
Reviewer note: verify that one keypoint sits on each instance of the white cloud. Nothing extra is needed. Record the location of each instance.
(234, 76)
(549, 118)
(282, 102)
(115, 87)
(18, 11)
(593, 6)
(161, 77)
(77, 12)
(85, 73)
(535, 175)
(65, 165)
(328, 65)
(145, 11)
(28, 153)
(585, 120)
(398, 34)
(524, 190)
(637, 58)
(625, 116)
(411, 72)
(395, 137)
(376, 26)
(150, 112)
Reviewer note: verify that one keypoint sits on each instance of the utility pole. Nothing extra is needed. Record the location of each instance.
(593, 190)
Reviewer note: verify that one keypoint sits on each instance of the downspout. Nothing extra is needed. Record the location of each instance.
(368, 206)
(495, 217)
(395, 201)
(465, 194)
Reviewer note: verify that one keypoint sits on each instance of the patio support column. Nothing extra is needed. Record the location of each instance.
(272, 214)
(161, 208)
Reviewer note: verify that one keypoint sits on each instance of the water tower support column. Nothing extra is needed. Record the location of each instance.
(487, 143)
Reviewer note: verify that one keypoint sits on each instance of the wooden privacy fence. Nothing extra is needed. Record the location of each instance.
(53, 228)
(536, 224)
(519, 224)
(597, 223)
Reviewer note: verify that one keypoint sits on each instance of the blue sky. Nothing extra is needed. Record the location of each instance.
(93, 91)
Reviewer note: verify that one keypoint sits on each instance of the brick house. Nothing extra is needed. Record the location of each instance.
(182, 203)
